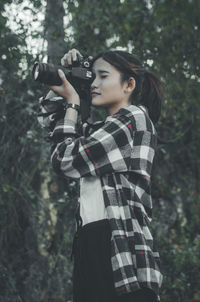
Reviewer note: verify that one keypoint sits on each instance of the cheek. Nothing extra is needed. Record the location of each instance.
(111, 87)
(114, 90)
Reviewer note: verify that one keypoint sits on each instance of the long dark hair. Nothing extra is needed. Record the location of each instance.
(148, 90)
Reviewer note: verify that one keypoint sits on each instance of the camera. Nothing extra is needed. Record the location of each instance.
(79, 74)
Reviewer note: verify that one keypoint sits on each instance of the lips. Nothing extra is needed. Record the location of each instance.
(94, 94)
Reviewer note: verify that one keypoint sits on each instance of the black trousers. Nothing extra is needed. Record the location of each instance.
(92, 275)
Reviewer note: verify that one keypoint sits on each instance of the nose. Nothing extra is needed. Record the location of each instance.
(94, 84)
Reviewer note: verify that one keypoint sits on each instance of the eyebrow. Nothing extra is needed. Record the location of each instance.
(101, 71)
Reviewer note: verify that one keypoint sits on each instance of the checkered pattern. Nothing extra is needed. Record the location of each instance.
(120, 151)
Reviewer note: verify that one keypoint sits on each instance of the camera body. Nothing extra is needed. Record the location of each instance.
(79, 74)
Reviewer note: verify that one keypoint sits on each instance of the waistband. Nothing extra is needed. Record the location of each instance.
(81, 227)
(85, 228)
(94, 224)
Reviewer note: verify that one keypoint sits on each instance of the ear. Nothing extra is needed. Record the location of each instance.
(130, 85)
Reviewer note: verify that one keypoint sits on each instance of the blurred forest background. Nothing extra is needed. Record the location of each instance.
(36, 206)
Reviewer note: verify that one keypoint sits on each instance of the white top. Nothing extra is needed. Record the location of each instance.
(92, 206)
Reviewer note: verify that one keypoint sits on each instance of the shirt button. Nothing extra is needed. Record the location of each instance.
(68, 141)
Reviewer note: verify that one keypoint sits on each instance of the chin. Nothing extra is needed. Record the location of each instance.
(96, 103)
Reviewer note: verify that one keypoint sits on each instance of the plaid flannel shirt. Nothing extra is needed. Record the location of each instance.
(120, 151)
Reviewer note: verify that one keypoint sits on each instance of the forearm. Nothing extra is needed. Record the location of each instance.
(72, 113)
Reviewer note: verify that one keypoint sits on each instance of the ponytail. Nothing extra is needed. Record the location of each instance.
(151, 95)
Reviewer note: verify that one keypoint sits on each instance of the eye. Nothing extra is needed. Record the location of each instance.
(103, 76)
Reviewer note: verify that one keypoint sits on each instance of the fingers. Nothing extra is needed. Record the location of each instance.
(68, 58)
(72, 56)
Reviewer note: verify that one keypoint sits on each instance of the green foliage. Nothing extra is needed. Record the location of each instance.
(180, 258)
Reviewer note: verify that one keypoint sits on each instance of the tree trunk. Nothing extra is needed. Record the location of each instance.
(54, 30)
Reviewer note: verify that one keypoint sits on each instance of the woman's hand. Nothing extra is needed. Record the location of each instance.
(66, 90)
(72, 56)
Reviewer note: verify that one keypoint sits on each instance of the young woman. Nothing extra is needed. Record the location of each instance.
(114, 256)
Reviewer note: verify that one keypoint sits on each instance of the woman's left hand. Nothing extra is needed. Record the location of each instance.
(66, 90)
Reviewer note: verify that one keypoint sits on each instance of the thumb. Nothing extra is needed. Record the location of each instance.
(65, 82)
(62, 76)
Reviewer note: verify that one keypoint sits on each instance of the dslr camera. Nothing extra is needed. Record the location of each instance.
(79, 74)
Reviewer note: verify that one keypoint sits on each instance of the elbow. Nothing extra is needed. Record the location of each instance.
(65, 170)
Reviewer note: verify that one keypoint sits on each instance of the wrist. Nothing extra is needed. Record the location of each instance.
(75, 103)
(73, 106)
(73, 100)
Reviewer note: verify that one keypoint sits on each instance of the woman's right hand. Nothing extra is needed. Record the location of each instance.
(72, 56)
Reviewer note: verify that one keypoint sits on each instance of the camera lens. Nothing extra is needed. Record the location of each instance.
(47, 73)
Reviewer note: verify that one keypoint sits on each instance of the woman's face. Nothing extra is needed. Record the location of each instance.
(107, 89)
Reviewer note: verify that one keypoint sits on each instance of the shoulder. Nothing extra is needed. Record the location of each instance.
(139, 117)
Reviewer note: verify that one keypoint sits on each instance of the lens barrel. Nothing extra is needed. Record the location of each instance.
(79, 75)
(48, 73)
